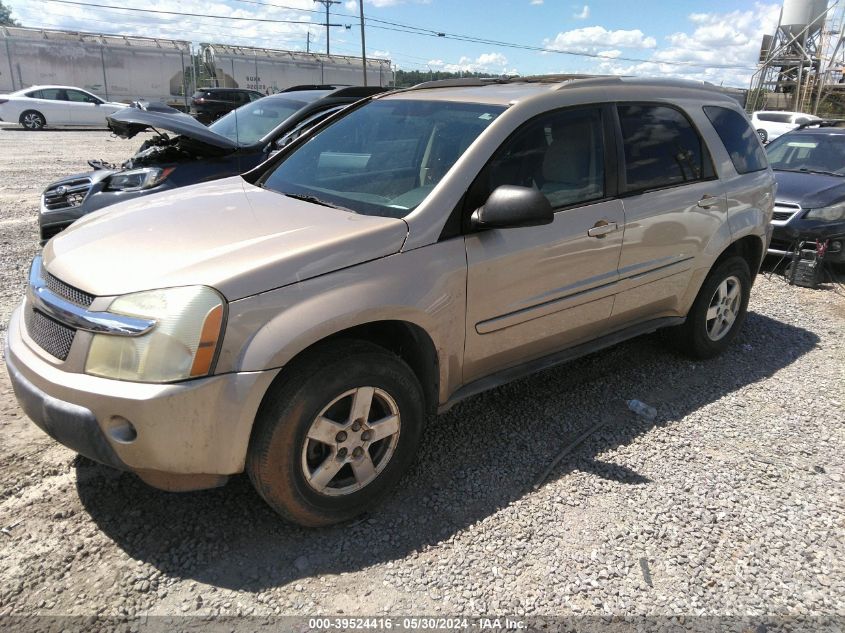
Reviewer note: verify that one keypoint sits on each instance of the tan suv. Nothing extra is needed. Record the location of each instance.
(301, 321)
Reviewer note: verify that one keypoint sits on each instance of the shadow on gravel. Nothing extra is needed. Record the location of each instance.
(475, 460)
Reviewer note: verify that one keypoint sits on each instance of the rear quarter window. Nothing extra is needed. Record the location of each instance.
(739, 139)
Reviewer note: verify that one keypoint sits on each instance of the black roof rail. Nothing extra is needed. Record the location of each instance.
(358, 91)
(822, 123)
(311, 87)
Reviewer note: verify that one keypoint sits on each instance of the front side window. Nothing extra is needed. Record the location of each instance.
(77, 96)
(738, 137)
(818, 153)
(662, 149)
(383, 158)
(561, 154)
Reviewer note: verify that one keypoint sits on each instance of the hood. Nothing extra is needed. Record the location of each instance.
(809, 190)
(227, 234)
(130, 121)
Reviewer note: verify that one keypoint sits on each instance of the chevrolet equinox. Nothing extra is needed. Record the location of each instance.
(301, 321)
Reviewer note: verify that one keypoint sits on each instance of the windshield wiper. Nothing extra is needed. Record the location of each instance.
(804, 170)
(313, 199)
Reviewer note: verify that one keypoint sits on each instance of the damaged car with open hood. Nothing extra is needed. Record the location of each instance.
(184, 152)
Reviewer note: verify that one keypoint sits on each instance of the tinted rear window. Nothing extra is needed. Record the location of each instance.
(662, 149)
(774, 117)
(739, 139)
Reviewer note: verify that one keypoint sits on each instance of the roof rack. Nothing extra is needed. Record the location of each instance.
(822, 123)
(565, 80)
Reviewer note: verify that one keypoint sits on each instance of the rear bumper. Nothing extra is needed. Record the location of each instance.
(184, 435)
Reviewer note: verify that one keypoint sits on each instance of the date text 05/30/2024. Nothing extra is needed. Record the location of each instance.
(417, 624)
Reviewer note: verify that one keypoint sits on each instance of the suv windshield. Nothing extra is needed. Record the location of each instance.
(822, 153)
(384, 157)
(252, 122)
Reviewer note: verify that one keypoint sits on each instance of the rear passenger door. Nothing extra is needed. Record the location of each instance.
(534, 290)
(674, 204)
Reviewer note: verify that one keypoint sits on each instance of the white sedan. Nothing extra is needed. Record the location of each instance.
(39, 106)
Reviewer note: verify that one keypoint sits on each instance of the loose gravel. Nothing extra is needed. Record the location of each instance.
(730, 503)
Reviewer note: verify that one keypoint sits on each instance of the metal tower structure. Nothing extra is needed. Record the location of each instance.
(791, 60)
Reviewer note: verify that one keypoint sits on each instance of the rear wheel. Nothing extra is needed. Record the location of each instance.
(33, 120)
(337, 434)
(718, 312)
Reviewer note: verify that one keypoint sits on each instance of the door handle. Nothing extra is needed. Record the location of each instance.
(602, 228)
(708, 201)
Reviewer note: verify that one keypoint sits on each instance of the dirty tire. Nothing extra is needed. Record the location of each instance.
(279, 443)
(692, 337)
(32, 120)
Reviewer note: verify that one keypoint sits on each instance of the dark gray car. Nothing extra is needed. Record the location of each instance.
(231, 145)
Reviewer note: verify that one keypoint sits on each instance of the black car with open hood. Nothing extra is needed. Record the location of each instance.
(183, 151)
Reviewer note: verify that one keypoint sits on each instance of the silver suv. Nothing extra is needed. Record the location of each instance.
(301, 321)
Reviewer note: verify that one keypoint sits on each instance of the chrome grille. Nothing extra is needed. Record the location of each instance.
(66, 195)
(51, 336)
(784, 212)
(68, 292)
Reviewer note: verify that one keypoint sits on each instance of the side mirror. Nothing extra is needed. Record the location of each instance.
(510, 206)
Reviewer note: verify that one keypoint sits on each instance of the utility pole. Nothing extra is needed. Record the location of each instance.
(363, 43)
(308, 42)
(327, 4)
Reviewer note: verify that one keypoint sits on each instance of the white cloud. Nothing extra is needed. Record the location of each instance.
(717, 39)
(536, 3)
(493, 63)
(592, 39)
(583, 14)
(610, 54)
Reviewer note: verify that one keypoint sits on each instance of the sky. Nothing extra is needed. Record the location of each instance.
(716, 41)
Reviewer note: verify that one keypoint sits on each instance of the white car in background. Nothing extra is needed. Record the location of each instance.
(39, 106)
(770, 124)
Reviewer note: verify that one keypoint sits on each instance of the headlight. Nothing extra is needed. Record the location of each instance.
(138, 179)
(832, 213)
(181, 345)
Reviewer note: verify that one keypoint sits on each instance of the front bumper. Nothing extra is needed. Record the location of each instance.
(187, 434)
(783, 244)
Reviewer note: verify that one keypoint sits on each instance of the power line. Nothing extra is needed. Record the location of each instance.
(422, 32)
(195, 15)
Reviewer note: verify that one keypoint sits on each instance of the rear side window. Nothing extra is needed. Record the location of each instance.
(774, 117)
(35, 94)
(662, 149)
(739, 139)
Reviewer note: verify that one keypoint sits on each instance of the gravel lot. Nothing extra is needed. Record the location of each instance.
(729, 504)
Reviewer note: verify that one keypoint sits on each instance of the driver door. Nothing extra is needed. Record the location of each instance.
(532, 291)
(85, 108)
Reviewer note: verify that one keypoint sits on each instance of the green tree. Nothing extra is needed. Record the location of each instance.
(6, 18)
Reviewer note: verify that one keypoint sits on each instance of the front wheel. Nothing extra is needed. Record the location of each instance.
(718, 312)
(32, 120)
(336, 434)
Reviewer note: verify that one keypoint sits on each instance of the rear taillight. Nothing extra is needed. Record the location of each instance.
(199, 100)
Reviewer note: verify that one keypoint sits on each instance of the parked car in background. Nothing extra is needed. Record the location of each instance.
(209, 104)
(232, 145)
(809, 167)
(301, 321)
(771, 124)
(56, 106)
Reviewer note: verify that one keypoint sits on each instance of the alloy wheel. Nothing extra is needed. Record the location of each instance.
(33, 121)
(351, 441)
(724, 308)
